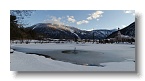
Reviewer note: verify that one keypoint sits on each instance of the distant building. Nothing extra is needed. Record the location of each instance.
(122, 38)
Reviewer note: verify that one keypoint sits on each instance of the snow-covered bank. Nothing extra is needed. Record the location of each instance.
(30, 62)
(27, 62)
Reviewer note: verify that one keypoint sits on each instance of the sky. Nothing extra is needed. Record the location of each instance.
(84, 19)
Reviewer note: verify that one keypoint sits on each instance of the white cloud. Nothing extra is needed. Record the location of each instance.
(54, 20)
(90, 29)
(59, 18)
(89, 18)
(82, 22)
(71, 19)
(123, 26)
(95, 15)
(129, 12)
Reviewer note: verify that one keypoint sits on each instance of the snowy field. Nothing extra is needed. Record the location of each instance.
(88, 57)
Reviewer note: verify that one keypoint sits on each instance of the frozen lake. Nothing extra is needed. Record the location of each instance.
(81, 54)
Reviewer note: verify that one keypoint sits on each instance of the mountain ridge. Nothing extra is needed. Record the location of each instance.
(128, 30)
(68, 32)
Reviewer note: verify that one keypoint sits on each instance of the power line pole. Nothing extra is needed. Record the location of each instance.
(93, 36)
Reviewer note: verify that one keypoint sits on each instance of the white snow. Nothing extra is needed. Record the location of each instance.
(29, 62)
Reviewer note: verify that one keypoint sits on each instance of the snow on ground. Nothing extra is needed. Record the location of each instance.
(29, 62)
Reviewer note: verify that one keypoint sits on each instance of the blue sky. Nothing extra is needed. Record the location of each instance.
(84, 19)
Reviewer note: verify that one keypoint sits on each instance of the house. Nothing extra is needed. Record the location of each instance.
(123, 38)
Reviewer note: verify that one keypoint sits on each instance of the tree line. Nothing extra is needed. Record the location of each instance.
(18, 32)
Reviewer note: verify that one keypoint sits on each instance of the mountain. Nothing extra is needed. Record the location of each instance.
(67, 32)
(103, 33)
(52, 30)
(129, 31)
